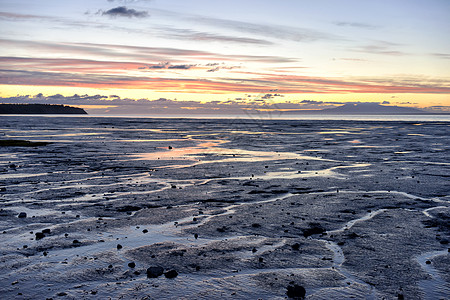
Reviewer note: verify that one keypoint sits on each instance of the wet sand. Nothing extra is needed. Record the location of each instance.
(240, 209)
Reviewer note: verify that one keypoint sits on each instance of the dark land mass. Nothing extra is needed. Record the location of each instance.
(39, 109)
(373, 108)
(367, 109)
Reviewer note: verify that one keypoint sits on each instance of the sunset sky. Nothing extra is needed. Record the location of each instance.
(210, 54)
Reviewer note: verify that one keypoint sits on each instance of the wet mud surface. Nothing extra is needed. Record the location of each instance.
(228, 209)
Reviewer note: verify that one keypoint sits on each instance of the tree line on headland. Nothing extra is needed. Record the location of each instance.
(39, 109)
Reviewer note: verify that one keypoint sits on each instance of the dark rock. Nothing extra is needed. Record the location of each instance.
(119, 246)
(61, 294)
(171, 274)
(131, 264)
(76, 242)
(222, 229)
(254, 250)
(22, 215)
(313, 229)
(195, 235)
(256, 225)
(128, 208)
(46, 231)
(154, 272)
(296, 246)
(145, 231)
(296, 292)
(39, 235)
(428, 262)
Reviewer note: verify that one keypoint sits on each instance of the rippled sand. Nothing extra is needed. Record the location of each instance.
(241, 209)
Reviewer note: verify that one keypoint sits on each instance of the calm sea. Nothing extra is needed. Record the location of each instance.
(274, 116)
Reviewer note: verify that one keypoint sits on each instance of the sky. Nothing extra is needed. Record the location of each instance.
(166, 56)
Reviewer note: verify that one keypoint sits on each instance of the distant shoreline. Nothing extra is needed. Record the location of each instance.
(40, 109)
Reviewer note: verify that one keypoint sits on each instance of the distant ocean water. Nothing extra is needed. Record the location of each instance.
(274, 116)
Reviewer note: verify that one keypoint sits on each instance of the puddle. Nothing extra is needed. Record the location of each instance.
(435, 288)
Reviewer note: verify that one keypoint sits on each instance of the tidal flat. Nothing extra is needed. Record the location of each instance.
(226, 209)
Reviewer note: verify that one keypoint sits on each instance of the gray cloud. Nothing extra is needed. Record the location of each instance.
(381, 47)
(189, 34)
(114, 104)
(441, 55)
(123, 11)
(278, 32)
(137, 52)
(181, 67)
(356, 25)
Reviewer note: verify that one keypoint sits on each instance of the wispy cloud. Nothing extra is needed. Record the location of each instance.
(261, 82)
(441, 55)
(21, 17)
(273, 31)
(356, 25)
(155, 54)
(123, 11)
(381, 48)
(194, 35)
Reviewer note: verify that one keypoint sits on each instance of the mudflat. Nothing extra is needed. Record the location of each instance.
(126, 208)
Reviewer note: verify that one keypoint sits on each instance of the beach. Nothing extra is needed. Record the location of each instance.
(228, 208)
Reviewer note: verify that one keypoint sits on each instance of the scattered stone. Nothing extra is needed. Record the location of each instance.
(76, 242)
(119, 246)
(254, 250)
(195, 235)
(260, 259)
(15, 282)
(296, 292)
(39, 235)
(22, 215)
(171, 274)
(145, 231)
(131, 264)
(154, 272)
(46, 231)
(428, 262)
(256, 225)
(61, 294)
